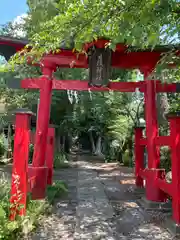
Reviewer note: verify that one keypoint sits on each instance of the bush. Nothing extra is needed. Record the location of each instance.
(23, 225)
(111, 150)
(58, 189)
(3, 145)
(126, 159)
(61, 160)
(165, 159)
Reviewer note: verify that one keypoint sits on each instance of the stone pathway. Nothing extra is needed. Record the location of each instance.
(61, 223)
(129, 219)
(101, 205)
(93, 210)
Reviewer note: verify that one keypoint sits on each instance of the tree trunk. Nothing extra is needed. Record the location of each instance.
(119, 157)
(63, 143)
(130, 147)
(98, 147)
(92, 142)
(67, 144)
(125, 146)
(58, 143)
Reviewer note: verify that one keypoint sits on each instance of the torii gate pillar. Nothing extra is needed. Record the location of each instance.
(43, 117)
(153, 193)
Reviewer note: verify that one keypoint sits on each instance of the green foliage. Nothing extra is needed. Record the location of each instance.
(59, 188)
(36, 15)
(165, 158)
(22, 226)
(3, 146)
(111, 116)
(14, 29)
(18, 99)
(139, 23)
(126, 159)
(111, 150)
(61, 160)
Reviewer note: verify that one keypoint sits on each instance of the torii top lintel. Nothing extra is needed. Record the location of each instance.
(123, 57)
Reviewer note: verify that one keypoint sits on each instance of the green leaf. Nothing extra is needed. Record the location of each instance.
(2, 213)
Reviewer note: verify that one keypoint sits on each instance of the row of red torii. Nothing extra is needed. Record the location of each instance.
(35, 177)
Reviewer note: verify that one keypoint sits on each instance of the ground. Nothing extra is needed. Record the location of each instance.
(101, 204)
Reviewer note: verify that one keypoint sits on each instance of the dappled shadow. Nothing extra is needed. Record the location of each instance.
(129, 220)
(118, 181)
(61, 223)
(6, 171)
(101, 204)
(149, 232)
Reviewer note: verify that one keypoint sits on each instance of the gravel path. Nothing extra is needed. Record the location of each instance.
(61, 223)
(101, 204)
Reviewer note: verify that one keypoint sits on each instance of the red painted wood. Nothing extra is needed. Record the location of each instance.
(17, 46)
(66, 59)
(32, 83)
(32, 137)
(38, 181)
(165, 87)
(121, 58)
(151, 124)
(151, 176)
(159, 141)
(162, 141)
(79, 85)
(143, 142)
(147, 173)
(42, 123)
(139, 156)
(31, 179)
(175, 165)
(102, 43)
(164, 186)
(20, 165)
(50, 154)
(153, 192)
(144, 173)
(130, 60)
(135, 60)
(127, 60)
(83, 86)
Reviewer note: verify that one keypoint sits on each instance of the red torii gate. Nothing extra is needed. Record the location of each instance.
(145, 61)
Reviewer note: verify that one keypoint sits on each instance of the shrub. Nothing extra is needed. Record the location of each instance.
(61, 160)
(59, 188)
(126, 159)
(23, 225)
(165, 158)
(3, 145)
(111, 151)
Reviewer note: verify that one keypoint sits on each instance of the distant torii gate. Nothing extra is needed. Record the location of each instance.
(145, 61)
